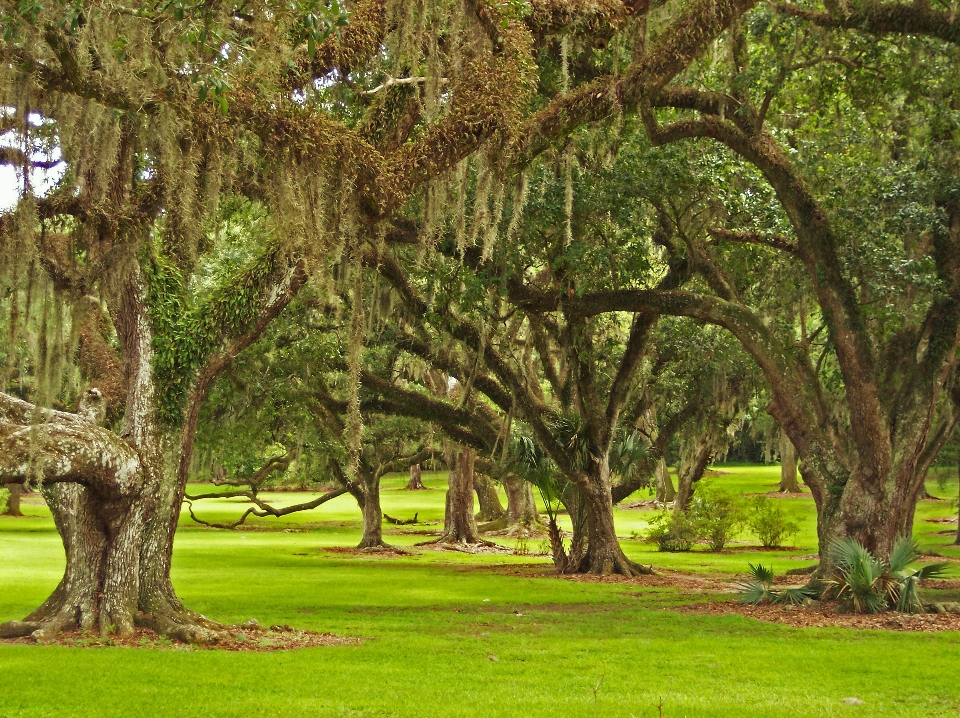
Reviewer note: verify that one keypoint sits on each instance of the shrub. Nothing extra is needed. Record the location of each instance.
(674, 532)
(769, 522)
(4, 497)
(719, 515)
(870, 585)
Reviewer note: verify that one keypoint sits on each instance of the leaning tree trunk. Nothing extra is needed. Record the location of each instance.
(459, 524)
(13, 501)
(788, 466)
(416, 480)
(490, 507)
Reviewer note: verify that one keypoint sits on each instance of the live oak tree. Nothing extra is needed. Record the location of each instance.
(864, 222)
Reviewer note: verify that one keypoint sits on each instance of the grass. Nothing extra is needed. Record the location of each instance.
(454, 635)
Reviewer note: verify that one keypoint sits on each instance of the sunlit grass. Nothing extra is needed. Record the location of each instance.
(454, 635)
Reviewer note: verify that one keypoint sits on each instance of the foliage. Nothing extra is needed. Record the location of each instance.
(718, 514)
(769, 522)
(870, 585)
(4, 498)
(674, 531)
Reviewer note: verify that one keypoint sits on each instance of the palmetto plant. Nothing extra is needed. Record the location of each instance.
(870, 584)
(759, 588)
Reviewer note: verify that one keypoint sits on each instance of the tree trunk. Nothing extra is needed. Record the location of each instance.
(957, 542)
(665, 491)
(521, 504)
(372, 515)
(459, 524)
(13, 501)
(415, 483)
(603, 555)
(690, 473)
(788, 466)
(490, 507)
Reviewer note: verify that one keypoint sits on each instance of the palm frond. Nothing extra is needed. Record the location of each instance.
(904, 553)
(760, 573)
(753, 592)
(932, 570)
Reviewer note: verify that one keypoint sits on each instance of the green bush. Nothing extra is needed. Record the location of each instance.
(4, 497)
(718, 513)
(770, 523)
(674, 532)
(869, 585)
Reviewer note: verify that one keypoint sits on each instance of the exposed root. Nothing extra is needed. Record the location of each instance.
(186, 627)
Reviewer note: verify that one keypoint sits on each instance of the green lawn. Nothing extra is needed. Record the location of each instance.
(454, 635)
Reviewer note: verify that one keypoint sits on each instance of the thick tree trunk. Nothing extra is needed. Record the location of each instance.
(459, 524)
(416, 482)
(13, 501)
(603, 555)
(957, 541)
(372, 514)
(690, 473)
(788, 466)
(665, 491)
(490, 507)
(521, 504)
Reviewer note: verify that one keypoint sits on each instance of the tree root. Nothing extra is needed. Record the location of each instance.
(186, 627)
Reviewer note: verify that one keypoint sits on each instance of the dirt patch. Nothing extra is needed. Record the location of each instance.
(826, 617)
(277, 638)
(941, 584)
(374, 552)
(942, 520)
(788, 494)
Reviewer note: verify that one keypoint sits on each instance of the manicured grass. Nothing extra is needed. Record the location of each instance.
(454, 635)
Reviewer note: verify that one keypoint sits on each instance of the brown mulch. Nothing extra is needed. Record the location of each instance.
(826, 617)
(277, 638)
(661, 579)
(943, 520)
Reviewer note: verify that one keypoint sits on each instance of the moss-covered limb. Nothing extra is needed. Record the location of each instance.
(64, 448)
(593, 18)
(193, 343)
(100, 364)
(692, 31)
(884, 18)
(350, 49)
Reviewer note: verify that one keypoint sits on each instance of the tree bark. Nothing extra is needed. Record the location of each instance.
(416, 482)
(665, 491)
(490, 507)
(459, 524)
(13, 501)
(690, 473)
(788, 466)
(372, 514)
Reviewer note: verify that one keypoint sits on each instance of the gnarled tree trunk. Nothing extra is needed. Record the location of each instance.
(372, 514)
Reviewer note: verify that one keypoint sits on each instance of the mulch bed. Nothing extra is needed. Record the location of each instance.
(373, 552)
(661, 579)
(277, 638)
(826, 617)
